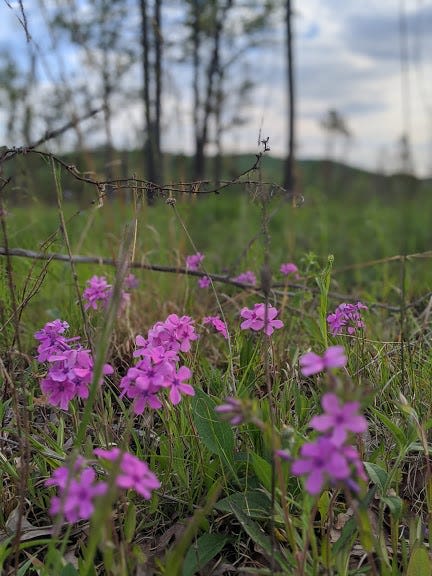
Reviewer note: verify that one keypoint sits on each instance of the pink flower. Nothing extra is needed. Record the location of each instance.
(254, 319)
(339, 419)
(346, 316)
(52, 340)
(247, 277)
(193, 261)
(178, 386)
(131, 282)
(133, 474)
(321, 461)
(69, 376)
(77, 491)
(333, 357)
(97, 291)
(217, 324)
(232, 410)
(289, 268)
(204, 282)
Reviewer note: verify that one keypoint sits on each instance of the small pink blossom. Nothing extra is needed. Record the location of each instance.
(131, 282)
(177, 385)
(346, 317)
(98, 291)
(193, 262)
(254, 319)
(333, 357)
(289, 268)
(247, 277)
(204, 282)
(133, 474)
(218, 324)
(339, 419)
(77, 490)
(232, 410)
(321, 461)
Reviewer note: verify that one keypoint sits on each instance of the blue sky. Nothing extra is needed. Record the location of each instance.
(347, 56)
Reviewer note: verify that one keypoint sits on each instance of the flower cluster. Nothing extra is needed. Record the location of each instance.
(330, 458)
(193, 262)
(289, 268)
(52, 339)
(70, 370)
(77, 491)
(98, 292)
(255, 319)
(204, 282)
(157, 368)
(134, 474)
(218, 324)
(346, 316)
(247, 277)
(78, 487)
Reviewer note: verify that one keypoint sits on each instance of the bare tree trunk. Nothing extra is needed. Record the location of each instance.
(289, 177)
(158, 39)
(196, 65)
(213, 70)
(148, 148)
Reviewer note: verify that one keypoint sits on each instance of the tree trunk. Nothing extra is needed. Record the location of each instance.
(158, 40)
(148, 147)
(289, 178)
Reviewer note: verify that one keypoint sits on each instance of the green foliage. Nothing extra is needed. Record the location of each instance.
(201, 552)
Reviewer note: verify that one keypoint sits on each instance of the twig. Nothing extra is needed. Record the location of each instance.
(222, 278)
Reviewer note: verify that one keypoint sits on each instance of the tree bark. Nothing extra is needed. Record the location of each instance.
(289, 177)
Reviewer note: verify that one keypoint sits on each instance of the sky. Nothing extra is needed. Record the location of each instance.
(347, 57)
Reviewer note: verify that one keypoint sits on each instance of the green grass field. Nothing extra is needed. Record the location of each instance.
(226, 504)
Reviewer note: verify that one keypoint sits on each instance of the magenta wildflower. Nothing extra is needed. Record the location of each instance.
(346, 316)
(204, 282)
(157, 368)
(218, 324)
(177, 385)
(183, 329)
(131, 282)
(69, 376)
(289, 268)
(98, 291)
(254, 319)
(193, 262)
(232, 410)
(338, 419)
(333, 357)
(247, 277)
(133, 473)
(321, 461)
(77, 491)
(52, 340)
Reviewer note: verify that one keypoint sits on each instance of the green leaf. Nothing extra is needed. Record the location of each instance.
(255, 504)
(419, 563)
(202, 551)
(258, 536)
(69, 570)
(216, 434)
(130, 522)
(398, 435)
(395, 505)
(377, 474)
(263, 470)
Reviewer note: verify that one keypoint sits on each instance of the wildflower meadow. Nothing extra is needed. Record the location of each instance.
(175, 406)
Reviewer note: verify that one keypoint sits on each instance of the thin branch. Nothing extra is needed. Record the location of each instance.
(222, 278)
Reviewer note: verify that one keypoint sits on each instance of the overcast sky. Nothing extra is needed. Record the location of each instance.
(347, 57)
